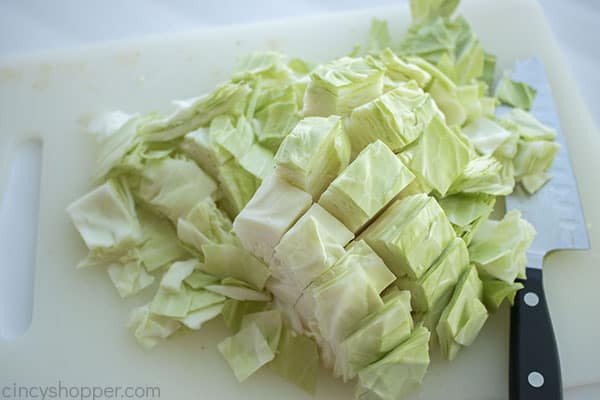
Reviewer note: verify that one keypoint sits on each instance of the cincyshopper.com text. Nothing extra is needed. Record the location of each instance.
(61, 391)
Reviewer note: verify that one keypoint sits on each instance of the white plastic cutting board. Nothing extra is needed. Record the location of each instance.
(77, 334)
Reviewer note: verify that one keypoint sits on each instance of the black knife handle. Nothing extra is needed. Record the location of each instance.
(534, 362)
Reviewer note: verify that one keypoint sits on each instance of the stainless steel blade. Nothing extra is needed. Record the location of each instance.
(555, 210)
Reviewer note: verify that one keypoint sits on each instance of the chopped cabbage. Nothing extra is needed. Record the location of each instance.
(226, 260)
(129, 277)
(370, 182)
(342, 85)
(515, 94)
(173, 186)
(410, 235)
(273, 209)
(466, 211)
(399, 372)
(437, 169)
(297, 360)
(106, 220)
(151, 329)
(313, 154)
(397, 118)
(498, 248)
(496, 291)
(190, 114)
(376, 335)
(463, 317)
(432, 291)
(246, 351)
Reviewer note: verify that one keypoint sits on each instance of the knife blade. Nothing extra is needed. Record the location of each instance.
(556, 213)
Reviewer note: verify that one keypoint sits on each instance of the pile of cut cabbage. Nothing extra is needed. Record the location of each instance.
(333, 214)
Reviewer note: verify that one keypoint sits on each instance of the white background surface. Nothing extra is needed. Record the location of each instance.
(36, 25)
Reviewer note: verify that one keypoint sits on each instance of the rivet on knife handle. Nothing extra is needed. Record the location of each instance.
(534, 362)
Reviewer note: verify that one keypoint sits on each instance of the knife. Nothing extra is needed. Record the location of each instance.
(555, 212)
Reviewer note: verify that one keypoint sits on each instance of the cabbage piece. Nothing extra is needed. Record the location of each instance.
(285, 290)
(496, 291)
(534, 151)
(534, 157)
(341, 85)
(534, 182)
(489, 70)
(272, 90)
(129, 277)
(237, 185)
(526, 126)
(241, 293)
(195, 319)
(304, 252)
(423, 10)
(444, 92)
(376, 335)
(488, 106)
(171, 304)
(366, 186)
(270, 324)
(304, 308)
(466, 211)
(485, 175)
(106, 220)
(463, 317)
(469, 97)
(258, 161)
(151, 329)
(329, 223)
(246, 351)
(196, 145)
(275, 123)
(410, 235)
(235, 310)
(274, 107)
(297, 360)
(198, 279)
(399, 70)
(499, 248)
(159, 242)
(201, 299)
(205, 224)
(437, 168)
(399, 372)
(359, 270)
(349, 291)
(486, 135)
(173, 186)
(172, 280)
(258, 63)
(190, 114)
(432, 291)
(449, 44)
(273, 209)
(397, 118)
(230, 141)
(226, 260)
(291, 318)
(515, 94)
(379, 36)
(313, 154)
(117, 134)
